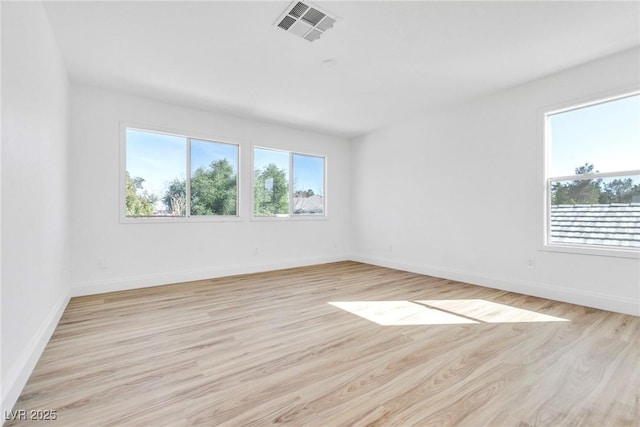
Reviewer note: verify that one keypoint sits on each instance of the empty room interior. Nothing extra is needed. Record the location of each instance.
(320, 213)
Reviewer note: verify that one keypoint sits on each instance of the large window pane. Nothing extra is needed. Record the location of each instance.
(214, 178)
(271, 182)
(155, 174)
(308, 185)
(594, 174)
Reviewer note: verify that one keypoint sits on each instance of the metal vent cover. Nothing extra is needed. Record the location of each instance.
(305, 20)
(298, 9)
(286, 23)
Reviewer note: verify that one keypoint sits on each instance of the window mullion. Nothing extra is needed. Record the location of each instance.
(187, 191)
(290, 184)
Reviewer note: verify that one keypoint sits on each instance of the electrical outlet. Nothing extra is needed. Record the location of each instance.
(531, 263)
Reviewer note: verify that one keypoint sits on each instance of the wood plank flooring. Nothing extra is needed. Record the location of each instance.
(268, 348)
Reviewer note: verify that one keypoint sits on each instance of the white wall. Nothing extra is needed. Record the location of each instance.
(458, 194)
(35, 214)
(136, 255)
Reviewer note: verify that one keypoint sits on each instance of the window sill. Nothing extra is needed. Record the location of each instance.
(593, 250)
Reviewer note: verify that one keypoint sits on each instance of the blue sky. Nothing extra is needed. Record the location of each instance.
(161, 158)
(157, 158)
(203, 153)
(606, 135)
(308, 171)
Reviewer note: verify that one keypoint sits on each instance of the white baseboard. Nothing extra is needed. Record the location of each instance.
(149, 280)
(14, 382)
(573, 296)
(557, 293)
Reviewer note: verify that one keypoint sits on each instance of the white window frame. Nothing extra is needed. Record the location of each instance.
(577, 248)
(124, 219)
(290, 216)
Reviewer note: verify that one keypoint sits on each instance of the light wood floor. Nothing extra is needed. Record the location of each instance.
(269, 349)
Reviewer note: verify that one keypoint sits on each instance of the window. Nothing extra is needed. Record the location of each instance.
(287, 184)
(593, 175)
(177, 176)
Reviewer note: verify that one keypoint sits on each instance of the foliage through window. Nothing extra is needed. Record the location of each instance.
(177, 176)
(593, 175)
(287, 184)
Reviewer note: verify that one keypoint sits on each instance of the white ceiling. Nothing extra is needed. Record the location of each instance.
(395, 60)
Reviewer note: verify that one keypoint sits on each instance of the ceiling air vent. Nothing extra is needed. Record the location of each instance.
(305, 20)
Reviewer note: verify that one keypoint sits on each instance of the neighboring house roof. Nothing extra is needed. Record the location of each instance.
(308, 205)
(610, 225)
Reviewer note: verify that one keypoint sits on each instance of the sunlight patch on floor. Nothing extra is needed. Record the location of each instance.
(489, 311)
(440, 312)
(389, 313)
